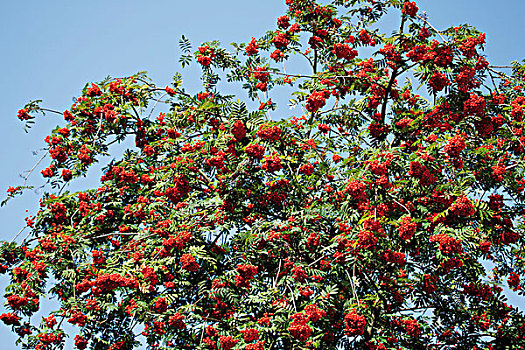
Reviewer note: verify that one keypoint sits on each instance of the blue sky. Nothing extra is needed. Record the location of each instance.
(50, 49)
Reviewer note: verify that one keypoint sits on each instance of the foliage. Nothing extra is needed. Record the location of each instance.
(367, 221)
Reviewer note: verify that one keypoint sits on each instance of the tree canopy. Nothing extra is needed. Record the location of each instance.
(383, 210)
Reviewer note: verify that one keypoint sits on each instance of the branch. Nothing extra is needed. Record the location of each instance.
(278, 272)
(499, 73)
(431, 26)
(33, 168)
(117, 233)
(18, 234)
(314, 66)
(51, 110)
(155, 105)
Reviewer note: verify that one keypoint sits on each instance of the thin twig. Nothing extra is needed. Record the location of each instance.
(155, 105)
(293, 298)
(18, 234)
(51, 110)
(431, 26)
(408, 211)
(277, 275)
(499, 73)
(352, 284)
(117, 233)
(33, 168)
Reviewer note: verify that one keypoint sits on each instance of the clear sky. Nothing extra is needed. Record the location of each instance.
(50, 49)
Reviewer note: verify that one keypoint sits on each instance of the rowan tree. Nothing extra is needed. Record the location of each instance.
(367, 217)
